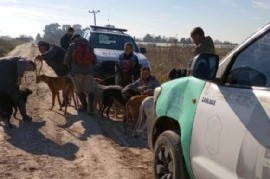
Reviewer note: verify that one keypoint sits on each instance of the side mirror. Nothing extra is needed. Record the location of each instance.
(143, 50)
(204, 66)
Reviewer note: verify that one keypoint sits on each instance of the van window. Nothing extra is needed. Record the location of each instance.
(86, 34)
(252, 66)
(111, 41)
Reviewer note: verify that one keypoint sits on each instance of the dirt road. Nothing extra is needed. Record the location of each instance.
(73, 146)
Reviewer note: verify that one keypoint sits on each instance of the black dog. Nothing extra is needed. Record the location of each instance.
(177, 73)
(7, 104)
(24, 93)
(6, 107)
(111, 95)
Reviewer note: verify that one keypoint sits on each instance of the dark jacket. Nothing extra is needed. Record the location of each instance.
(206, 46)
(54, 57)
(73, 67)
(124, 76)
(10, 70)
(65, 42)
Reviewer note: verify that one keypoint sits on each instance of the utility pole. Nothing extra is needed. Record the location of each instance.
(94, 12)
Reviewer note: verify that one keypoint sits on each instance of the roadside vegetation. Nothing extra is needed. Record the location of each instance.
(164, 58)
(7, 44)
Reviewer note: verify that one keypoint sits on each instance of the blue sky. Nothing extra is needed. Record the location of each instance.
(231, 20)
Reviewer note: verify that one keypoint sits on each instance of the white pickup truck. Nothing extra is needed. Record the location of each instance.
(216, 122)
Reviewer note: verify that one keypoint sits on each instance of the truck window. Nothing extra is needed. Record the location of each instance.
(252, 66)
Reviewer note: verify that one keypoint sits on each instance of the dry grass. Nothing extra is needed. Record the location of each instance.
(163, 59)
(5, 47)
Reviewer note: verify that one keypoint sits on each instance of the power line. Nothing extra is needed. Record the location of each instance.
(94, 12)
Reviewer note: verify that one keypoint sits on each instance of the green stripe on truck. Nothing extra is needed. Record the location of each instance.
(177, 102)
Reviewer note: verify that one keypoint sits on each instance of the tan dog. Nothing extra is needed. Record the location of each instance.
(57, 84)
(132, 110)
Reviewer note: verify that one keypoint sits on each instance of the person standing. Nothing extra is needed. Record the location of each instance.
(66, 39)
(11, 72)
(127, 68)
(203, 44)
(80, 60)
(54, 56)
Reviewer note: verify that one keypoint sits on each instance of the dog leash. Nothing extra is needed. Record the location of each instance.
(38, 71)
(109, 77)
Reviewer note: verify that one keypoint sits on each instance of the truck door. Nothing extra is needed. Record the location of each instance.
(231, 130)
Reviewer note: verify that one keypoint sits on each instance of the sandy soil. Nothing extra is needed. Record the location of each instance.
(73, 146)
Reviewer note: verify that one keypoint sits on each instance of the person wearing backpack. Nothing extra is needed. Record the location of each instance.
(127, 68)
(80, 60)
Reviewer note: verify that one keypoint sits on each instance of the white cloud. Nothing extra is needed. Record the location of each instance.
(262, 4)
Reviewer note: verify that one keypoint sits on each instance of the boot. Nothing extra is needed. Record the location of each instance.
(83, 101)
(22, 109)
(91, 104)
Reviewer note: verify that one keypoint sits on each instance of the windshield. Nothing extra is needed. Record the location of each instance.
(111, 41)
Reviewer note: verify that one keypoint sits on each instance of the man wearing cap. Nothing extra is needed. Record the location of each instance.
(11, 72)
(66, 39)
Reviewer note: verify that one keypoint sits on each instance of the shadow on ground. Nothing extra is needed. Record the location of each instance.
(113, 130)
(28, 138)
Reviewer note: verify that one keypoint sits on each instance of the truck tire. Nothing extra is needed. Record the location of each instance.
(168, 157)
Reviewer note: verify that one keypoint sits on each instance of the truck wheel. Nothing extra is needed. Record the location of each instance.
(168, 157)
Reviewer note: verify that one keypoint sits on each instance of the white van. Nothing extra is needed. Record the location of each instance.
(108, 44)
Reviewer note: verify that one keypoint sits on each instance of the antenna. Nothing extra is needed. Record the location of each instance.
(109, 16)
(94, 12)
